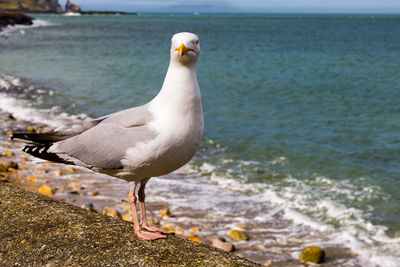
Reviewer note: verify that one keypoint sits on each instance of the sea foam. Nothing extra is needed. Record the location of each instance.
(306, 206)
(13, 93)
(7, 31)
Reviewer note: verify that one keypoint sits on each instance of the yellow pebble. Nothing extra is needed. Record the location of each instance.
(10, 133)
(127, 217)
(32, 178)
(195, 239)
(237, 235)
(170, 227)
(166, 212)
(23, 241)
(12, 169)
(195, 229)
(30, 129)
(70, 169)
(153, 221)
(111, 213)
(46, 190)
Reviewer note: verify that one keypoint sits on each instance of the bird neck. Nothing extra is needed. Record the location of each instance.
(180, 89)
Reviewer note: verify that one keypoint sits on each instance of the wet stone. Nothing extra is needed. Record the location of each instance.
(312, 254)
(9, 166)
(195, 229)
(7, 153)
(195, 239)
(220, 243)
(46, 190)
(112, 213)
(126, 207)
(127, 217)
(166, 212)
(170, 227)
(89, 207)
(152, 221)
(94, 193)
(238, 235)
(74, 186)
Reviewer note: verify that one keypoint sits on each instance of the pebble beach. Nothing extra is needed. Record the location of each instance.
(106, 195)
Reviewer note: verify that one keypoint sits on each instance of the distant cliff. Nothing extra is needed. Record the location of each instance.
(32, 6)
(71, 7)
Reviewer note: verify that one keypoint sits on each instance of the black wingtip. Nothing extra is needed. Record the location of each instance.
(39, 138)
(41, 151)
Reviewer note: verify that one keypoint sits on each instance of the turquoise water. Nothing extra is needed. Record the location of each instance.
(309, 103)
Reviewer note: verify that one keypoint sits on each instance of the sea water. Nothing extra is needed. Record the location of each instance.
(301, 111)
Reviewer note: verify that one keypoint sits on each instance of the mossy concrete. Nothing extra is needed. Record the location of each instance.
(37, 230)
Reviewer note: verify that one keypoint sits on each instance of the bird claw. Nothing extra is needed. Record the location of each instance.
(149, 235)
(156, 230)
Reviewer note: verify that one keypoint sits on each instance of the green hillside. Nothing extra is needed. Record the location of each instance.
(35, 6)
(10, 4)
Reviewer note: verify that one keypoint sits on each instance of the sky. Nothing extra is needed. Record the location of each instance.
(263, 6)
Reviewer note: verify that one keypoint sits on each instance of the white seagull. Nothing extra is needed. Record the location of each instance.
(137, 143)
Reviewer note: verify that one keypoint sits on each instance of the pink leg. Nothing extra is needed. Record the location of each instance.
(143, 217)
(138, 229)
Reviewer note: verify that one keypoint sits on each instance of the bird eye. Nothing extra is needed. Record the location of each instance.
(197, 42)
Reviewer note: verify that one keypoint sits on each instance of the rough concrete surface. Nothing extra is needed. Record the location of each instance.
(37, 230)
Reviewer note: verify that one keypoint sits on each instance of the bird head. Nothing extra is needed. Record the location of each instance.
(185, 48)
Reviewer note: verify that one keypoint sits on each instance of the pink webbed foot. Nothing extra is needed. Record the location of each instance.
(149, 235)
(156, 230)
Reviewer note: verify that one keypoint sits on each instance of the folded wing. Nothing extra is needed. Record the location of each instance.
(101, 143)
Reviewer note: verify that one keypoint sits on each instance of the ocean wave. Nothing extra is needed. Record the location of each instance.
(7, 31)
(314, 204)
(307, 204)
(14, 94)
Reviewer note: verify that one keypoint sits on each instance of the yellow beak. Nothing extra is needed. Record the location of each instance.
(183, 50)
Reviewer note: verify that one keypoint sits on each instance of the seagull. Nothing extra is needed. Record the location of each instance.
(137, 143)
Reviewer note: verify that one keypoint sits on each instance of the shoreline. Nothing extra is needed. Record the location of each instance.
(14, 18)
(107, 195)
(274, 237)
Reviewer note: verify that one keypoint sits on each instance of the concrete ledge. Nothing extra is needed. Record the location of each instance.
(37, 230)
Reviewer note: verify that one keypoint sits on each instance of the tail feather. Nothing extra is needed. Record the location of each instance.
(40, 138)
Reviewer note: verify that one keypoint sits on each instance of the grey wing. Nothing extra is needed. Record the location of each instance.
(101, 143)
(103, 146)
(128, 117)
(77, 128)
(61, 133)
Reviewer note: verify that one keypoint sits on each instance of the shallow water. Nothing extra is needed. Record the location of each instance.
(301, 112)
